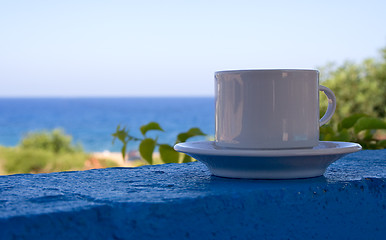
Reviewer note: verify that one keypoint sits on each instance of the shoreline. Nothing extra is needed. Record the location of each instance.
(132, 158)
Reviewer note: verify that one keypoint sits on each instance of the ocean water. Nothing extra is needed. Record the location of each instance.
(91, 121)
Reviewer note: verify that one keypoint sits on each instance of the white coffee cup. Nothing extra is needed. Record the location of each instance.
(269, 109)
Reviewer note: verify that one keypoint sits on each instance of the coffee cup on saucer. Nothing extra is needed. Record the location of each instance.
(267, 126)
(269, 109)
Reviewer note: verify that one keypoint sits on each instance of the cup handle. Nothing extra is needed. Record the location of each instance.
(331, 105)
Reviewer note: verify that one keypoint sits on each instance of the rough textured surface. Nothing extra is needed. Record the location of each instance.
(176, 201)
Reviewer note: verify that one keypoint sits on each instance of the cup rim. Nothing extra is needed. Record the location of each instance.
(268, 70)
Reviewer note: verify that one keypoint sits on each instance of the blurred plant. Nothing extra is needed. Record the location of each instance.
(147, 145)
(359, 88)
(56, 141)
(359, 128)
(43, 152)
(22, 160)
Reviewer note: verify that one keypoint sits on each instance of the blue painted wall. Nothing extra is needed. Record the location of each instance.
(183, 201)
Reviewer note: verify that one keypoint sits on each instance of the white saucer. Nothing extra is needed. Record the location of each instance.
(267, 164)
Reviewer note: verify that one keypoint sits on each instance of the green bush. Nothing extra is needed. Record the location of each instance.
(21, 160)
(358, 128)
(55, 141)
(359, 88)
(16, 160)
(360, 91)
(66, 162)
(43, 152)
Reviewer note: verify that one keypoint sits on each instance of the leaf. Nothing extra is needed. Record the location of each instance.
(187, 159)
(168, 154)
(369, 123)
(150, 126)
(350, 121)
(343, 136)
(182, 137)
(196, 132)
(123, 151)
(146, 149)
(121, 134)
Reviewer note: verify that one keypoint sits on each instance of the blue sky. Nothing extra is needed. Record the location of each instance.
(172, 48)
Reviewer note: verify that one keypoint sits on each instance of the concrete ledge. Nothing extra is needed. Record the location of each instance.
(183, 201)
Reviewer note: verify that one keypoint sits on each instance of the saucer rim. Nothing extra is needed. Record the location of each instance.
(192, 148)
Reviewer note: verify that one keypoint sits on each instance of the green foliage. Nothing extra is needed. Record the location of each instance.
(24, 161)
(146, 149)
(358, 128)
(360, 91)
(186, 158)
(148, 145)
(43, 152)
(150, 126)
(368, 123)
(350, 121)
(182, 137)
(167, 153)
(359, 88)
(55, 141)
(123, 136)
(34, 160)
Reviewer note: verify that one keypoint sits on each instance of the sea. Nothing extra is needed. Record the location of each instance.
(91, 121)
